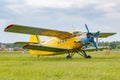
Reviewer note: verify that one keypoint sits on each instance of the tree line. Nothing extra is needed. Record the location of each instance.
(112, 45)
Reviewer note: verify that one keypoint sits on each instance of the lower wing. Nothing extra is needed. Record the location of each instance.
(94, 49)
(24, 43)
(44, 48)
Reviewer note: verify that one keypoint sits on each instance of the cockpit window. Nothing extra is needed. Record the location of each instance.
(77, 33)
(82, 37)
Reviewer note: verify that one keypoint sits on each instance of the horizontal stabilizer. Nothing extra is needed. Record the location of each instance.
(104, 35)
(44, 48)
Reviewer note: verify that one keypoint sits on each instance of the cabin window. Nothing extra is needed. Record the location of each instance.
(62, 41)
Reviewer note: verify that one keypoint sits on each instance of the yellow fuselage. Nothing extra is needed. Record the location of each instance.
(68, 43)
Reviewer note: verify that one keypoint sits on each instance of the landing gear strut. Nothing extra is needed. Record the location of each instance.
(70, 54)
(83, 53)
(38, 56)
(68, 57)
(80, 52)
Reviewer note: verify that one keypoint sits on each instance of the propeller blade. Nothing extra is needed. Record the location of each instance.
(90, 37)
(87, 28)
(97, 33)
(95, 45)
(87, 40)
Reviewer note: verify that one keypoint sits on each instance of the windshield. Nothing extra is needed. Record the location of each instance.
(82, 37)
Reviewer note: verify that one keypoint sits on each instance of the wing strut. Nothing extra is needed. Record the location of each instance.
(97, 40)
(38, 39)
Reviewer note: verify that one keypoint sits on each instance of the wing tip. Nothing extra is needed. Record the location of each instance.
(9, 26)
(26, 45)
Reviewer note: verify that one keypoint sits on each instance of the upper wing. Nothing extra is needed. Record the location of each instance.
(104, 35)
(44, 48)
(36, 31)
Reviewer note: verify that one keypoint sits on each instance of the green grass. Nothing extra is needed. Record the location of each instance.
(18, 66)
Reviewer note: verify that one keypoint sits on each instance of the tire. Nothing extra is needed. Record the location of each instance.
(88, 57)
(68, 57)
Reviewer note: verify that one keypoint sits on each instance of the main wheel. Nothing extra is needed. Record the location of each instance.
(88, 56)
(68, 57)
(38, 56)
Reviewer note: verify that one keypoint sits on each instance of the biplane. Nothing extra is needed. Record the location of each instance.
(62, 41)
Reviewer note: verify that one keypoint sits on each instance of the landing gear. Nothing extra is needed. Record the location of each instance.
(70, 54)
(80, 52)
(68, 57)
(85, 55)
(38, 56)
(88, 56)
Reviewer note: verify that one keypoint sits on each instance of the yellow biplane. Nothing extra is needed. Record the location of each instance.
(63, 41)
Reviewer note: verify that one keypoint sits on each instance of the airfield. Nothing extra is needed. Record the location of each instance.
(19, 66)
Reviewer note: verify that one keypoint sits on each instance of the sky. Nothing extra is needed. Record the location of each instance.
(99, 15)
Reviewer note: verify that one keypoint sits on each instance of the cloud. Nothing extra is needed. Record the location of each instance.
(59, 3)
(106, 5)
(16, 9)
(3, 23)
(99, 15)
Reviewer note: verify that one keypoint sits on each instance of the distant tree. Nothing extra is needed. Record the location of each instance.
(118, 46)
(12, 45)
(112, 45)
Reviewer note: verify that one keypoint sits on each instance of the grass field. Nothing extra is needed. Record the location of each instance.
(18, 66)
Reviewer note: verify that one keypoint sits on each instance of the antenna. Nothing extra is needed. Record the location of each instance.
(73, 28)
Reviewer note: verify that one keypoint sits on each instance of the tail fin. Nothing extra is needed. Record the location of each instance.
(33, 38)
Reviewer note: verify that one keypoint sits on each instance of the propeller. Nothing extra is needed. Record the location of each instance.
(90, 37)
(87, 28)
